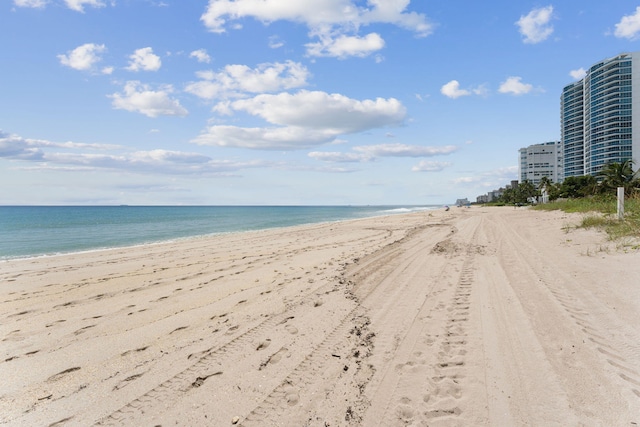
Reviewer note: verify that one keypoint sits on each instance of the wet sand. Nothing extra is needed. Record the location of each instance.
(471, 317)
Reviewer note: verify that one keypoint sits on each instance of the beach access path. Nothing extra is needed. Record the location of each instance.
(476, 316)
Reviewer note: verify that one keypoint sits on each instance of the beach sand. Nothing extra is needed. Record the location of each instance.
(472, 317)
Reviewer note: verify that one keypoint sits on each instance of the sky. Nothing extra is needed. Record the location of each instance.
(278, 102)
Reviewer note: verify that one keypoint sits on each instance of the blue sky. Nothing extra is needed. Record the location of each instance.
(286, 102)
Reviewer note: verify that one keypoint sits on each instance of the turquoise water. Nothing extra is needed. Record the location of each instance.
(28, 231)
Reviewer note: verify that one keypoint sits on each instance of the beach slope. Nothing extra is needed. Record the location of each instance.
(479, 316)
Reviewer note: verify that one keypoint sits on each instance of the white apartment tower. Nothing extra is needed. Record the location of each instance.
(540, 160)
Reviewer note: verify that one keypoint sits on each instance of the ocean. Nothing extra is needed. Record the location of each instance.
(31, 231)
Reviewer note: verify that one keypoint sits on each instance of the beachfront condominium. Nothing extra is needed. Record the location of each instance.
(600, 116)
(541, 160)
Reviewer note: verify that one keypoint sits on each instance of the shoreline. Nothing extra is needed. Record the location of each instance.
(480, 316)
(399, 211)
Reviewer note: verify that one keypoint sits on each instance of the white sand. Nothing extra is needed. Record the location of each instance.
(472, 317)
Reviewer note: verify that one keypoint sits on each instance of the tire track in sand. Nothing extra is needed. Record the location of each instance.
(427, 387)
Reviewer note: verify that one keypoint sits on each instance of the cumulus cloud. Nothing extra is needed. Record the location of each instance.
(321, 110)
(578, 74)
(70, 156)
(316, 14)
(629, 26)
(201, 55)
(144, 60)
(84, 57)
(137, 97)
(239, 80)
(264, 138)
(335, 22)
(535, 26)
(36, 4)
(344, 46)
(514, 86)
(303, 120)
(429, 166)
(78, 5)
(452, 90)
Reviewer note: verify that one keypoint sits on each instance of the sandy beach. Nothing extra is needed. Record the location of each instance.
(472, 317)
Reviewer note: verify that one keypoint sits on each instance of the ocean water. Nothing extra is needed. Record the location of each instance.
(29, 231)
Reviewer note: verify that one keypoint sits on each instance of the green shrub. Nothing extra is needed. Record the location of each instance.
(600, 213)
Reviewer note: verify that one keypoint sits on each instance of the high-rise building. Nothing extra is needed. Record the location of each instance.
(572, 129)
(600, 116)
(540, 160)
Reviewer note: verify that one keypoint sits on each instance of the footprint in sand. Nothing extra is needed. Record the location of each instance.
(291, 395)
(405, 413)
(442, 413)
(275, 358)
(291, 329)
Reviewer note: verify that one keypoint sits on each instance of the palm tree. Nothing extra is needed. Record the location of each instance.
(616, 175)
(544, 184)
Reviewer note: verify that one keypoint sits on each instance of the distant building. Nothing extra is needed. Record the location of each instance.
(600, 116)
(491, 196)
(540, 160)
(462, 202)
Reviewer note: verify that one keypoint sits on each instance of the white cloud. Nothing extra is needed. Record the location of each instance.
(320, 110)
(16, 147)
(367, 153)
(303, 120)
(265, 138)
(429, 166)
(629, 26)
(452, 90)
(514, 86)
(578, 74)
(334, 22)
(275, 42)
(344, 46)
(201, 55)
(481, 90)
(83, 57)
(404, 150)
(535, 25)
(319, 13)
(144, 59)
(78, 5)
(338, 157)
(69, 156)
(239, 80)
(36, 4)
(139, 98)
